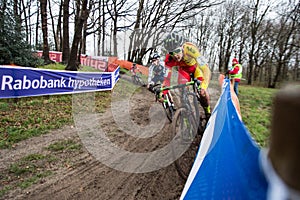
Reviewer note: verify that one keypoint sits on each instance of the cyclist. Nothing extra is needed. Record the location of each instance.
(156, 75)
(134, 69)
(156, 71)
(189, 61)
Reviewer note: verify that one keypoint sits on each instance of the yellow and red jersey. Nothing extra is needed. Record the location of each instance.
(192, 62)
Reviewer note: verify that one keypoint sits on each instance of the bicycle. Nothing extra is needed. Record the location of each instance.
(167, 103)
(137, 79)
(187, 127)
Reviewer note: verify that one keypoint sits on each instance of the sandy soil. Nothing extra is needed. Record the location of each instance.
(126, 159)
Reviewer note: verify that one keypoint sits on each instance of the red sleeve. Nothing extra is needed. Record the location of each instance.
(234, 70)
(169, 63)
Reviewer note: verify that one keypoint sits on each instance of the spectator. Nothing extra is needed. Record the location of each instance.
(235, 74)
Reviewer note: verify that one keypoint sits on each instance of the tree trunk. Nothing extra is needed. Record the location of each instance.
(58, 29)
(56, 42)
(83, 41)
(103, 27)
(132, 48)
(251, 62)
(45, 55)
(277, 73)
(73, 62)
(65, 42)
(37, 27)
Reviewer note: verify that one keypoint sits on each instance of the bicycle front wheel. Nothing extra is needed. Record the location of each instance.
(134, 79)
(169, 110)
(187, 141)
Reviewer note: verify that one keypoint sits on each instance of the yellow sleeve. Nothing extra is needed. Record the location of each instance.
(206, 75)
(203, 70)
(191, 50)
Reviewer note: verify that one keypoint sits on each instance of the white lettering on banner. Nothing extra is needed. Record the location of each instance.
(9, 83)
(78, 84)
(6, 82)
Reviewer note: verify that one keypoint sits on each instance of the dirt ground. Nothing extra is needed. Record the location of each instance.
(92, 172)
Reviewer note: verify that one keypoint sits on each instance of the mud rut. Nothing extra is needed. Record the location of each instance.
(88, 178)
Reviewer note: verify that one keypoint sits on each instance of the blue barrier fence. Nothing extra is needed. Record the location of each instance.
(227, 164)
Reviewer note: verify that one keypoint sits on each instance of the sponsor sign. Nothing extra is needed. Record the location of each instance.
(25, 81)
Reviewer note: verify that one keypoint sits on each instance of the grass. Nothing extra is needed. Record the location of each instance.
(33, 168)
(25, 172)
(32, 116)
(64, 145)
(256, 107)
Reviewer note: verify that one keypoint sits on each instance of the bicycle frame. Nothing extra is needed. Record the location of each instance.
(185, 94)
(167, 103)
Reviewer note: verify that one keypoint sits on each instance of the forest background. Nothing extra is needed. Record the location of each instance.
(263, 35)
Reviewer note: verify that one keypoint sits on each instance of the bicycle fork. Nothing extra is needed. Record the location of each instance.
(187, 128)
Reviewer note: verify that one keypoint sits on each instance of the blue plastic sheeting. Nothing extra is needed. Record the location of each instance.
(227, 163)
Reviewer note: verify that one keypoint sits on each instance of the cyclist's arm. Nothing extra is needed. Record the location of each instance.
(234, 70)
(132, 70)
(168, 67)
(206, 73)
(164, 70)
(150, 73)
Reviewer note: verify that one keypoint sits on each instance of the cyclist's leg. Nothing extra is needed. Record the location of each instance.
(171, 99)
(160, 79)
(204, 100)
(156, 80)
(183, 77)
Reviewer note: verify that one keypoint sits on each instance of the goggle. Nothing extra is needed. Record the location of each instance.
(176, 51)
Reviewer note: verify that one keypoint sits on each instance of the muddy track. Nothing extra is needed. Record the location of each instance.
(89, 178)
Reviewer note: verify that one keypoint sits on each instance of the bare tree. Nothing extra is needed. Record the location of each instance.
(73, 63)
(256, 22)
(228, 29)
(37, 24)
(157, 18)
(117, 9)
(65, 42)
(45, 55)
(57, 31)
(283, 47)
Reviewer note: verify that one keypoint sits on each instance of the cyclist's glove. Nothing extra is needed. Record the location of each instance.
(150, 88)
(161, 97)
(198, 83)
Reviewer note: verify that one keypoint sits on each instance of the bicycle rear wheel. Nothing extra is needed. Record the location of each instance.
(185, 130)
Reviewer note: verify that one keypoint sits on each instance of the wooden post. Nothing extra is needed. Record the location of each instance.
(284, 150)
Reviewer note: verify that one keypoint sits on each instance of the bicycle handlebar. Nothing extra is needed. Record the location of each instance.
(172, 87)
(157, 91)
